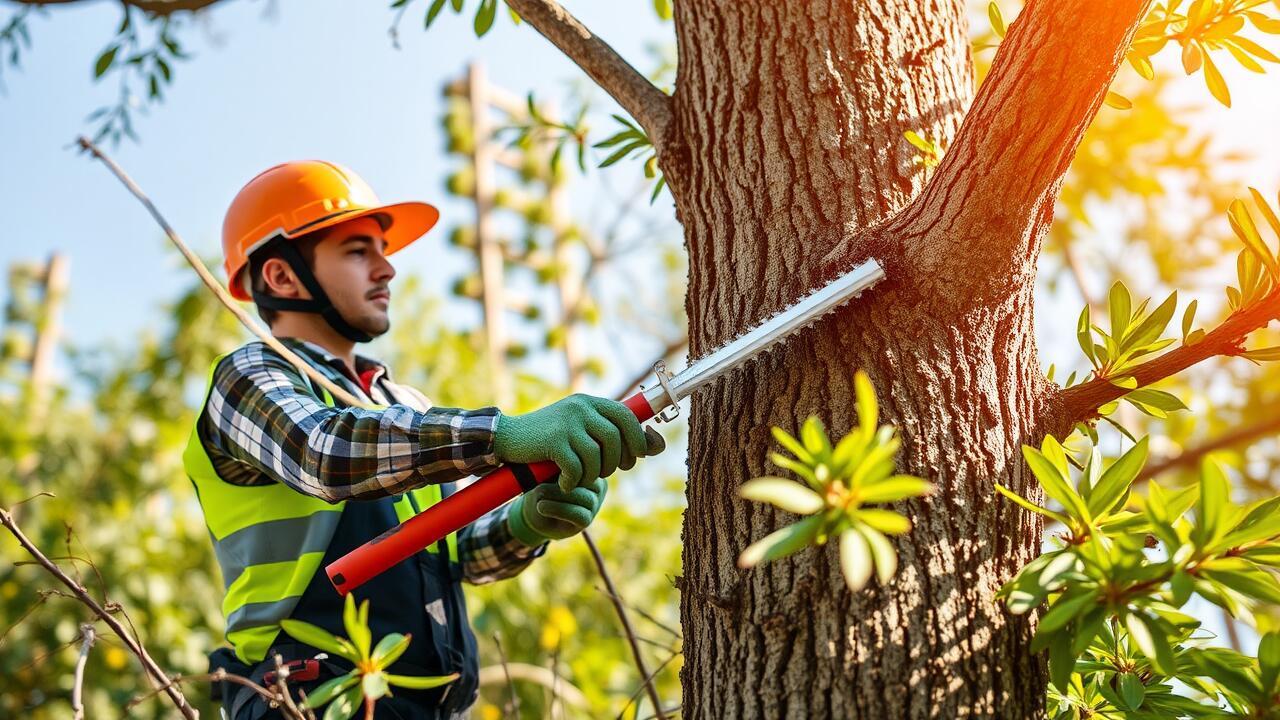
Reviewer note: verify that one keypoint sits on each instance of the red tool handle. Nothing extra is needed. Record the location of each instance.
(455, 512)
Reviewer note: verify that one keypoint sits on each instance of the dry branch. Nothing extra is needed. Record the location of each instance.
(153, 670)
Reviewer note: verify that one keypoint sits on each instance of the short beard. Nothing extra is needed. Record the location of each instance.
(374, 327)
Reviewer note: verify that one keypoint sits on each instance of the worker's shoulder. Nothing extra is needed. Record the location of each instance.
(251, 358)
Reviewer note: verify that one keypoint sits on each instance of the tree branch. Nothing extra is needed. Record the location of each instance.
(1190, 456)
(83, 596)
(992, 197)
(159, 8)
(639, 97)
(1081, 402)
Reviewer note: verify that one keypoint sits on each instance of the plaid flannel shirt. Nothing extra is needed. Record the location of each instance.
(263, 422)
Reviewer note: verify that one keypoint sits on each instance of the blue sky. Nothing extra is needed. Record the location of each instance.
(314, 79)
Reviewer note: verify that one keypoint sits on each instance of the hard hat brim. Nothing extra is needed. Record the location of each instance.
(408, 221)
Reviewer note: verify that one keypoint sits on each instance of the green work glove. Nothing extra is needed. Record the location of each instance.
(586, 437)
(549, 513)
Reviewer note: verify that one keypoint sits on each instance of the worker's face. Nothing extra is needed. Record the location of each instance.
(351, 267)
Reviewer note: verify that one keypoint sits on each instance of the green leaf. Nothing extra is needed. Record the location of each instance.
(319, 638)
(790, 443)
(623, 152)
(897, 487)
(347, 704)
(1065, 609)
(485, 15)
(1242, 223)
(1269, 661)
(357, 629)
(1215, 494)
(1120, 304)
(1188, 317)
(997, 20)
(1213, 79)
(389, 648)
(1151, 639)
(1053, 479)
(868, 410)
(1263, 354)
(663, 9)
(104, 61)
(1248, 580)
(1252, 47)
(1131, 690)
(1151, 328)
(1117, 101)
(794, 466)
(1085, 337)
(882, 552)
(1128, 382)
(781, 543)
(420, 683)
(330, 689)
(1062, 661)
(855, 559)
(886, 521)
(786, 494)
(1028, 505)
(1116, 479)
(815, 439)
(433, 11)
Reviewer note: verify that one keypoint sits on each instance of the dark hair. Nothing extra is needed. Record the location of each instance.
(306, 245)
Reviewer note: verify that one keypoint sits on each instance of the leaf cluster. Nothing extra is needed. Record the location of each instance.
(1204, 27)
(133, 61)
(1113, 590)
(839, 483)
(369, 680)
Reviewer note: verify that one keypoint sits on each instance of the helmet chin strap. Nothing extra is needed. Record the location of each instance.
(319, 302)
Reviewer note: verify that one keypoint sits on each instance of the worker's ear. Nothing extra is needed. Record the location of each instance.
(282, 281)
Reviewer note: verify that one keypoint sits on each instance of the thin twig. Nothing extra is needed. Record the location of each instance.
(212, 283)
(648, 682)
(642, 613)
(89, 635)
(135, 646)
(626, 624)
(1192, 455)
(515, 699)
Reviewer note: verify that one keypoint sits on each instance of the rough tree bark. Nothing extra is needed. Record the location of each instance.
(787, 163)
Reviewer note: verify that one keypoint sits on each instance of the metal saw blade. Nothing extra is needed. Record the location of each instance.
(760, 338)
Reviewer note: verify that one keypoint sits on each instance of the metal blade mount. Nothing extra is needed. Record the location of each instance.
(761, 337)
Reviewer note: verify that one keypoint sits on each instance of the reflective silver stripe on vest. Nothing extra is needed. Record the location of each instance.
(274, 541)
(261, 614)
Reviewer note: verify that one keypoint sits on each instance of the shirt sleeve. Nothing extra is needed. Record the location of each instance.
(489, 552)
(263, 412)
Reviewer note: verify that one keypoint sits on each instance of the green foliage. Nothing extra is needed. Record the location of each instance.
(631, 139)
(369, 679)
(840, 481)
(15, 37)
(137, 61)
(1117, 640)
(1206, 26)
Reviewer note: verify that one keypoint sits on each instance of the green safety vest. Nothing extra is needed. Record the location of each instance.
(269, 541)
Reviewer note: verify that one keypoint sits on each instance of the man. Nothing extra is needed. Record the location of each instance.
(289, 479)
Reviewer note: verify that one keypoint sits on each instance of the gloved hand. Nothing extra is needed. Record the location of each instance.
(549, 513)
(586, 437)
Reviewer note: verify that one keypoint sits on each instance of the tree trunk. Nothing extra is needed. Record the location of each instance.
(788, 141)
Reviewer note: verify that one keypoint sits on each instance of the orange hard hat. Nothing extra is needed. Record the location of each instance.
(296, 198)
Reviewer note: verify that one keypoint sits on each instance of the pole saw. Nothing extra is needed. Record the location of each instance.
(491, 491)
